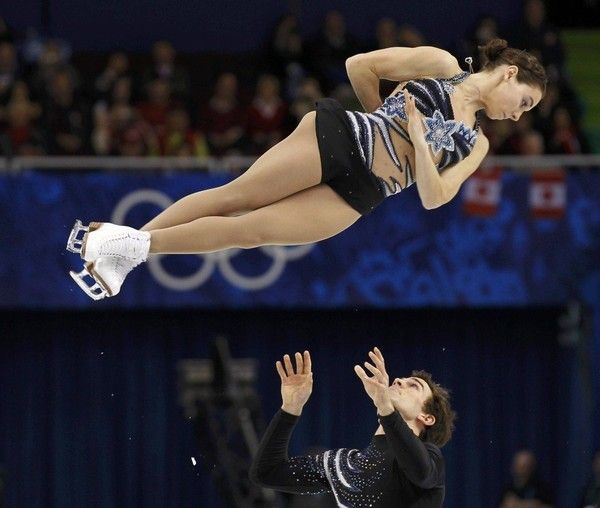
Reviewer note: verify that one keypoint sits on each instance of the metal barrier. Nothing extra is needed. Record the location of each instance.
(240, 163)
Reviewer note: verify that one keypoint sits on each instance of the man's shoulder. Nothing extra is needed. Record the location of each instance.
(431, 446)
(434, 450)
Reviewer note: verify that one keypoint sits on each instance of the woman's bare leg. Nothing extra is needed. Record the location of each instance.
(290, 166)
(305, 217)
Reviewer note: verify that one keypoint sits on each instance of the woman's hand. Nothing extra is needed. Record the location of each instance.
(415, 120)
(377, 386)
(296, 387)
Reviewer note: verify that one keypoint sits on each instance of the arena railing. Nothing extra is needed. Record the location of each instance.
(236, 164)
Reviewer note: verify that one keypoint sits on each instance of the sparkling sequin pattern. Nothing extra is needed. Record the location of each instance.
(439, 132)
(356, 477)
(432, 98)
(309, 471)
(394, 106)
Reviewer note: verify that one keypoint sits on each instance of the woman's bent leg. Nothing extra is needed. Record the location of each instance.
(290, 166)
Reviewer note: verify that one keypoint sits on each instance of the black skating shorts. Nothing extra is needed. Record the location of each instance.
(342, 166)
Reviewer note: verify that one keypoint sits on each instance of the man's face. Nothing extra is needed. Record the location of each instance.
(408, 395)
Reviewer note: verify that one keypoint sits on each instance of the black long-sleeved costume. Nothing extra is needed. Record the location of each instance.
(396, 469)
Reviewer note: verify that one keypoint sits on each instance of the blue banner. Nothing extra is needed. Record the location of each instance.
(401, 255)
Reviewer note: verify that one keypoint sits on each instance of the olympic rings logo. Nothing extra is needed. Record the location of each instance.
(221, 260)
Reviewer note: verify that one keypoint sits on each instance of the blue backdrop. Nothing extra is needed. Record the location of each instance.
(401, 255)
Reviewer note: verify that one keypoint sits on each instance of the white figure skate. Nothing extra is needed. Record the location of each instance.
(107, 274)
(102, 239)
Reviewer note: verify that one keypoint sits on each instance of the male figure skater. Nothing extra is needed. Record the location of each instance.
(402, 466)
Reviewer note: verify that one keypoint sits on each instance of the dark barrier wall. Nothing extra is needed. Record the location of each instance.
(88, 411)
(232, 26)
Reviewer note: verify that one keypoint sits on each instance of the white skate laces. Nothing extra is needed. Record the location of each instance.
(116, 241)
(111, 252)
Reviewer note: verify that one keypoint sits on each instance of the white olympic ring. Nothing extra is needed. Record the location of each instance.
(279, 255)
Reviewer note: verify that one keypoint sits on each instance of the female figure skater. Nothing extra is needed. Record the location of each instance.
(403, 464)
(337, 165)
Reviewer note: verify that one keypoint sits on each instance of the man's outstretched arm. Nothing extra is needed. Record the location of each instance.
(272, 468)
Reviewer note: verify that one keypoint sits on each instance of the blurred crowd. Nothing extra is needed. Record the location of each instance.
(50, 106)
(526, 488)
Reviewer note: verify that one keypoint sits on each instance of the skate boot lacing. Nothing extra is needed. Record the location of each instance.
(125, 246)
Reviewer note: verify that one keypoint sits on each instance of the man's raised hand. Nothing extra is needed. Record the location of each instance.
(377, 385)
(296, 386)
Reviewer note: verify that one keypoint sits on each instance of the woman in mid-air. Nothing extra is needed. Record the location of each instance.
(337, 165)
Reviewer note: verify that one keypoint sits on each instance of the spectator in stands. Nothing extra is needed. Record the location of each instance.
(104, 135)
(543, 114)
(525, 489)
(410, 37)
(484, 30)
(497, 133)
(137, 140)
(540, 37)
(329, 51)
(532, 143)
(155, 109)
(286, 54)
(130, 134)
(591, 492)
(109, 126)
(308, 94)
(386, 34)
(164, 68)
(9, 71)
(180, 140)
(53, 59)
(21, 137)
(31, 48)
(566, 138)
(121, 91)
(223, 119)
(512, 144)
(6, 33)
(116, 68)
(266, 115)
(65, 117)
(20, 96)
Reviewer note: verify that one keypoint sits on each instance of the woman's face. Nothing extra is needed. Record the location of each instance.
(510, 98)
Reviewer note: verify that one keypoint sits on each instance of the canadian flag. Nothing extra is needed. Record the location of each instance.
(482, 192)
(548, 194)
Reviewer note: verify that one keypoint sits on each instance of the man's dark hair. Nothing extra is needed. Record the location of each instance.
(437, 405)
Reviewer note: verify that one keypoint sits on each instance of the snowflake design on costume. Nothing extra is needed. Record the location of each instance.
(394, 106)
(439, 132)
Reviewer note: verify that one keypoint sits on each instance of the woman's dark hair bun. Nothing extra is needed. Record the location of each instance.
(493, 49)
(496, 53)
